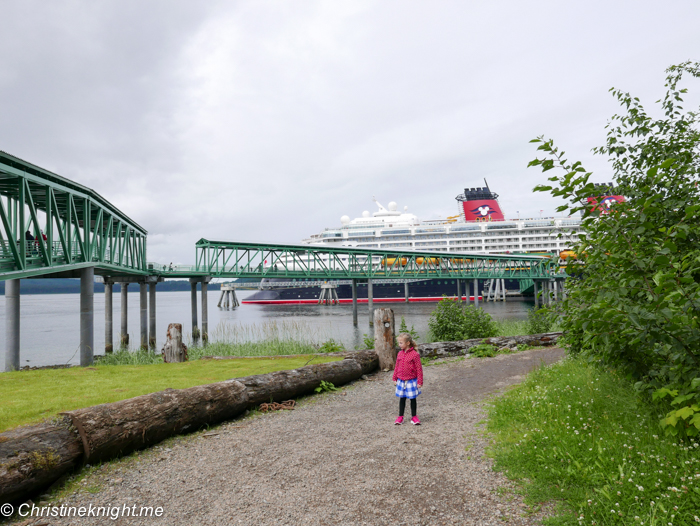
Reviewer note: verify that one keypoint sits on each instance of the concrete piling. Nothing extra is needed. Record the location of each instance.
(125, 315)
(143, 312)
(109, 328)
(205, 314)
(87, 316)
(370, 302)
(193, 303)
(12, 302)
(152, 315)
(354, 302)
(405, 291)
(476, 292)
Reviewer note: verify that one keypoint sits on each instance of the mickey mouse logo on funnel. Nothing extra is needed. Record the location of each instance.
(480, 204)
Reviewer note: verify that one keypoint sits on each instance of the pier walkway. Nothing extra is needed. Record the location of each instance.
(53, 227)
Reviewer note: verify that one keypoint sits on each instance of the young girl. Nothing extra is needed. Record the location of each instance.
(408, 377)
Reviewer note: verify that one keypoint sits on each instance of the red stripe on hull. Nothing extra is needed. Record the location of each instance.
(344, 300)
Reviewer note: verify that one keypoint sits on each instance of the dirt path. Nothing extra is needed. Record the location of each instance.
(336, 459)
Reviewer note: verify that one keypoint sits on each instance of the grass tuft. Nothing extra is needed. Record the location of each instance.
(582, 437)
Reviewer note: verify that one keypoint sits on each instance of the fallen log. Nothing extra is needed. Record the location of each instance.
(33, 457)
(283, 385)
(460, 348)
(118, 428)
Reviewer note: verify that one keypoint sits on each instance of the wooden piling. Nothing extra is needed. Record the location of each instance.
(384, 338)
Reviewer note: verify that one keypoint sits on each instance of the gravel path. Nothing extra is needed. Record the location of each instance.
(336, 459)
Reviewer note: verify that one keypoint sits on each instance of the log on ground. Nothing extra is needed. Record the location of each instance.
(461, 347)
(119, 428)
(283, 385)
(33, 457)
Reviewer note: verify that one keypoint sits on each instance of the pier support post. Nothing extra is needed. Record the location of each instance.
(109, 317)
(354, 302)
(459, 291)
(143, 311)
(537, 299)
(370, 302)
(152, 315)
(193, 302)
(12, 325)
(476, 292)
(87, 316)
(125, 312)
(405, 291)
(503, 288)
(205, 314)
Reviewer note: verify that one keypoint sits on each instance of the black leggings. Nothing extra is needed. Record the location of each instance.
(402, 406)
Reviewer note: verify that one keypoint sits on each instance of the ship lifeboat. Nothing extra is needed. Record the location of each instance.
(567, 254)
(390, 262)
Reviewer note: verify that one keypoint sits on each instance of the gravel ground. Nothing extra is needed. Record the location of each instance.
(336, 459)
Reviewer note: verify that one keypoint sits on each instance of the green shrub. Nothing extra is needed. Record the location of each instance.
(412, 331)
(368, 341)
(634, 305)
(450, 322)
(483, 350)
(331, 346)
(539, 320)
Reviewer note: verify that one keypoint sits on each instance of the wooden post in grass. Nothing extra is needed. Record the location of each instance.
(384, 338)
(174, 350)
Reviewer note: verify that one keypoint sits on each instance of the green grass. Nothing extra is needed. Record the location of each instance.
(511, 327)
(583, 438)
(30, 396)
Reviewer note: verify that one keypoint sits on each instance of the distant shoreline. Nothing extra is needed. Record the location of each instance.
(72, 286)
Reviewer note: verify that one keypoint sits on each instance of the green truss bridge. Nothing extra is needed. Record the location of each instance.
(54, 227)
(225, 259)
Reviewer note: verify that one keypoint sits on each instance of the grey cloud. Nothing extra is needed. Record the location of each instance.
(268, 121)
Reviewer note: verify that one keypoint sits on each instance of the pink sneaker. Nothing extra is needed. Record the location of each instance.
(415, 421)
(399, 421)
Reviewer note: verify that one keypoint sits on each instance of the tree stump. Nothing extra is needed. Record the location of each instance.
(174, 350)
(384, 338)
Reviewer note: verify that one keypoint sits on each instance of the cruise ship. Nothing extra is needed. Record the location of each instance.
(478, 227)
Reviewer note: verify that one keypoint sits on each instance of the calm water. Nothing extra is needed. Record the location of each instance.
(50, 324)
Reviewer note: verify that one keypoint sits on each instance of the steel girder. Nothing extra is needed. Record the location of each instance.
(81, 228)
(259, 260)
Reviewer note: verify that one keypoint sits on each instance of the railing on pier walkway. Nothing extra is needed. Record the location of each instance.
(222, 259)
(72, 226)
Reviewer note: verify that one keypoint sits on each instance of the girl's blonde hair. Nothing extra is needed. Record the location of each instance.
(407, 338)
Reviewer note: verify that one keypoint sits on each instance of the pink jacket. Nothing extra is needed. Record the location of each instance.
(408, 366)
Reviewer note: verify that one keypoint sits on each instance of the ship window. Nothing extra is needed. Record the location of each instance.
(465, 228)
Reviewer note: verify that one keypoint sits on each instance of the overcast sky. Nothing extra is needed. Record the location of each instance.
(269, 120)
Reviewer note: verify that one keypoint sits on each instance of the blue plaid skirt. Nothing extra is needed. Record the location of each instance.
(407, 388)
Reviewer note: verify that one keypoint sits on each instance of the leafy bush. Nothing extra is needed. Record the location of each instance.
(449, 321)
(483, 350)
(412, 331)
(539, 320)
(331, 346)
(636, 299)
(326, 386)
